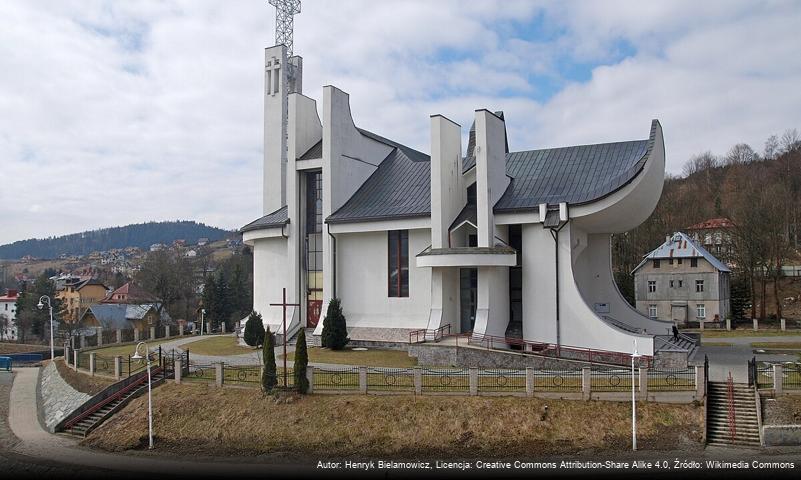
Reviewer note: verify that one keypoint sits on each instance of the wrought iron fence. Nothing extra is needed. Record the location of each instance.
(90, 340)
(445, 380)
(104, 364)
(200, 372)
(128, 335)
(671, 380)
(326, 379)
(612, 380)
(160, 332)
(501, 380)
(109, 336)
(242, 375)
(83, 360)
(791, 376)
(557, 380)
(764, 375)
(390, 379)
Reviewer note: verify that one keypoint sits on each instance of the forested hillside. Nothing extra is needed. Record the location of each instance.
(759, 192)
(140, 235)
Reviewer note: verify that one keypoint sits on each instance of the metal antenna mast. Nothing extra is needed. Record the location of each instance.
(285, 11)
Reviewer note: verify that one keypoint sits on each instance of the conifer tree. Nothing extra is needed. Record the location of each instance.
(301, 363)
(269, 374)
(254, 330)
(335, 331)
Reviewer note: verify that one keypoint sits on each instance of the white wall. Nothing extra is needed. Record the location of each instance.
(362, 267)
(491, 179)
(275, 108)
(539, 287)
(448, 194)
(270, 276)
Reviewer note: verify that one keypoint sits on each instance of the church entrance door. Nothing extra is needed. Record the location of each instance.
(313, 309)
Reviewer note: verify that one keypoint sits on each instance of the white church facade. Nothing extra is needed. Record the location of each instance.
(464, 239)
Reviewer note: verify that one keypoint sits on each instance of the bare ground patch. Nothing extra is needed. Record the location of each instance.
(233, 421)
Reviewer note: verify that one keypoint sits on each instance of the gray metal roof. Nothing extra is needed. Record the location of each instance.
(278, 218)
(316, 151)
(115, 316)
(399, 188)
(680, 245)
(574, 175)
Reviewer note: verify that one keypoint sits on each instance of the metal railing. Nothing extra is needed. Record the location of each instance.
(329, 379)
(671, 380)
(558, 380)
(612, 380)
(450, 380)
(241, 375)
(390, 379)
(791, 376)
(423, 334)
(502, 380)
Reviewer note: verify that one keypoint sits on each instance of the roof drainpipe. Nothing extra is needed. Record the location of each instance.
(333, 260)
(555, 229)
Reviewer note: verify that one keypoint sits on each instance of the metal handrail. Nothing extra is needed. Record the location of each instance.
(732, 417)
(110, 399)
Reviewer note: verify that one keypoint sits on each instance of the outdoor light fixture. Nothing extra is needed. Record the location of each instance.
(137, 356)
(41, 305)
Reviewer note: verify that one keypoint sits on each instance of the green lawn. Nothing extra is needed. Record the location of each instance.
(125, 350)
(218, 346)
(716, 344)
(777, 345)
(367, 358)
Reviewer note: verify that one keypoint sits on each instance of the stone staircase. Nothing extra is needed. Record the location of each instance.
(104, 409)
(746, 431)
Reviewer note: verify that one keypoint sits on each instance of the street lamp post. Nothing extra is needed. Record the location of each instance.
(633, 400)
(137, 356)
(41, 305)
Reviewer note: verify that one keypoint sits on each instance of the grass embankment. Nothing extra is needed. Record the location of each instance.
(243, 422)
(366, 358)
(6, 347)
(83, 382)
(219, 346)
(125, 350)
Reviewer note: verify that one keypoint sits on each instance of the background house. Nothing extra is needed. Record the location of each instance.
(119, 316)
(681, 281)
(78, 295)
(8, 309)
(715, 235)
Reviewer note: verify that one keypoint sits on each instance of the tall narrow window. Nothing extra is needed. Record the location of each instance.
(398, 278)
(700, 310)
(651, 286)
(693, 262)
(652, 311)
(656, 264)
(699, 286)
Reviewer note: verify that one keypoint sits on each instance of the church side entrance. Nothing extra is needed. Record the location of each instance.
(313, 264)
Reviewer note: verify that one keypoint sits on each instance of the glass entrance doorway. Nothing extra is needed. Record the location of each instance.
(468, 298)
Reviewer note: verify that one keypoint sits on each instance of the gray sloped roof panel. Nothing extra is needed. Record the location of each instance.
(278, 218)
(400, 187)
(316, 151)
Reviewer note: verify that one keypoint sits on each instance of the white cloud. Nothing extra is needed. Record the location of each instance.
(119, 112)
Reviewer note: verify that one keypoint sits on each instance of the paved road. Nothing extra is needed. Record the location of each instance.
(734, 358)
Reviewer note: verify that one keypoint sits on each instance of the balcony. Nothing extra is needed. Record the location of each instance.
(498, 256)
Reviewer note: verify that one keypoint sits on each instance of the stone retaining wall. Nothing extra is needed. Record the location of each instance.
(781, 435)
(58, 398)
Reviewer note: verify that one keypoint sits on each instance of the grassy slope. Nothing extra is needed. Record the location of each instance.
(6, 347)
(368, 358)
(235, 421)
(125, 350)
(81, 381)
(221, 345)
(742, 332)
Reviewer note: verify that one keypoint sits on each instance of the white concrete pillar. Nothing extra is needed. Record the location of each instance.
(119, 336)
(219, 372)
(363, 380)
(180, 329)
(586, 382)
(66, 353)
(418, 381)
(75, 360)
(700, 381)
(778, 375)
(82, 341)
(701, 325)
(179, 370)
(152, 333)
(92, 363)
(222, 327)
(529, 382)
(473, 375)
(99, 337)
(310, 378)
(644, 382)
(136, 334)
(166, 331)
(783, 324)
(756, 324)
(728, 324)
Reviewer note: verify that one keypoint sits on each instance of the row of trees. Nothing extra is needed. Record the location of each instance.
(760, 193)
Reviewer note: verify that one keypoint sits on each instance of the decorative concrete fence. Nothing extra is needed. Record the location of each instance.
(782, 378)
(681, 386)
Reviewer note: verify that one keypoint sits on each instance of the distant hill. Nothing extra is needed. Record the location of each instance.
(141, 235)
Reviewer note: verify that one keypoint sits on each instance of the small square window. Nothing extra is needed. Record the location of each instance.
(670, 261)
(678, 260)
(652, 311)
(700, 310)
(671, 284)
(693, 262)
(656, 263)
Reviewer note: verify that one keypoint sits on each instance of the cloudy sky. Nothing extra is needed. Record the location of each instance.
(128, 111)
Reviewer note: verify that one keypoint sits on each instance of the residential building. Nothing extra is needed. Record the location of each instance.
(130, 293)
(682, 282)
(119, 316)
(8, 315)
(481, 240)
(715, 235)
(78, 295)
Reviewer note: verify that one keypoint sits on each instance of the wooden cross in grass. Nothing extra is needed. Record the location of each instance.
(284, 305)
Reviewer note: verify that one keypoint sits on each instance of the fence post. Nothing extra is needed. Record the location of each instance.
(362, 380)
(136, 334)
(180, 329)
(756, 324)
(179, 369)
(701, 325)
(644, 382)
(82, 341)
(473, 373)
(118, 367)
(92, 363)
(222, 327)
(778, 374)
(218, 374)
(67, 353)
(586, 382)
(166, 331)
(783, 324)
(75, 360)
(152, 333)
(99, 336)
(700, 381)
(310, 378)
(418, 381)
(119, 336)
(728, 324)
(529, 382)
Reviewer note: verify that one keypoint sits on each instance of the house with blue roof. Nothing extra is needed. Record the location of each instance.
(681, 282)
(473, 240)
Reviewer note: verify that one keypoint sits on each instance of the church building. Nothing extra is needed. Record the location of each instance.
(463, 239)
